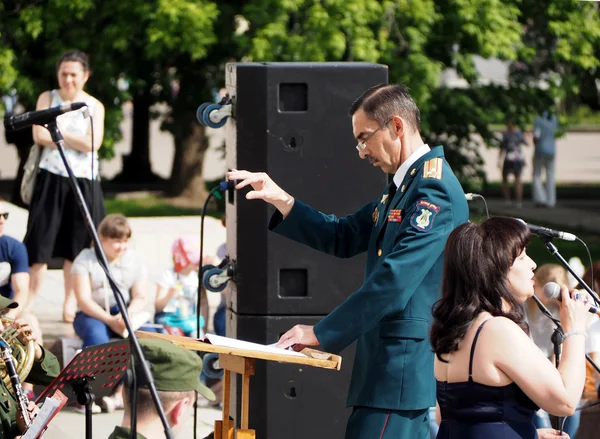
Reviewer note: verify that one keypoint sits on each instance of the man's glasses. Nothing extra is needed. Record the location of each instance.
(362, 145)
(4, 214)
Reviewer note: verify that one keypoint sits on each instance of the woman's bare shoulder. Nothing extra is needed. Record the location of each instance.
(501, 327)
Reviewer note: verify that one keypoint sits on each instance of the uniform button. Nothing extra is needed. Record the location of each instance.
(403, 187)
(412, 172)
(379, 252)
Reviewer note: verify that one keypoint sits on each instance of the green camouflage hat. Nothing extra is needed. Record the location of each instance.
(6, 303)
(173, 368)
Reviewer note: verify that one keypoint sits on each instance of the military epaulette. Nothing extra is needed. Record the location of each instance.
(433, 168)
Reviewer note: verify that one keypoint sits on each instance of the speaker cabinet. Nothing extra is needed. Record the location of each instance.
(291, 121)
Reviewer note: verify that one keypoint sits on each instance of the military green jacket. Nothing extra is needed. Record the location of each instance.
(42, 372)
(123, 433)
(404, 235)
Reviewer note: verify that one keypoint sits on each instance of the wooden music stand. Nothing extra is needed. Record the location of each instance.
(234, 360)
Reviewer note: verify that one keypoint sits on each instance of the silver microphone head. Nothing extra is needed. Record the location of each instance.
(552, 290)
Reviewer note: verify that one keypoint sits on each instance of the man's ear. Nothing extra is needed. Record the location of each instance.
(399, 126)
(179, 410)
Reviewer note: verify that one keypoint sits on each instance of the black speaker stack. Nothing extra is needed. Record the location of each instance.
(291, 121)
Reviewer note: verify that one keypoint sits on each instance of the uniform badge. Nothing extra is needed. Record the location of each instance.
(422, 219)
(433, 168)
(384, 198)
(394, 216)
(376, 215)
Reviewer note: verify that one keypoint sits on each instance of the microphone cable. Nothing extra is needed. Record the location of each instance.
(214, 192)
(591, 268)
(470, 196)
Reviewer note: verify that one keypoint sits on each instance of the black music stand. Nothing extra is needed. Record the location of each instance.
(95, 372)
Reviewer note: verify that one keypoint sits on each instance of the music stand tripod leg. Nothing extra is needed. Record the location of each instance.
(83, 389)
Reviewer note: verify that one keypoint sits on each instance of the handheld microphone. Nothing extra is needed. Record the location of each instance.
(552, 291)
(550, 233)
(39, 117)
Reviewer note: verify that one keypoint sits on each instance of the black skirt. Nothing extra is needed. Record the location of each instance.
(56, 227)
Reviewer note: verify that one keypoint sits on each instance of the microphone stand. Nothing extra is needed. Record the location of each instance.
(554, 252)
(557, 339)
(57, 138)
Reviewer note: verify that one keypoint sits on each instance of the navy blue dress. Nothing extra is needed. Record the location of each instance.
(473, 411)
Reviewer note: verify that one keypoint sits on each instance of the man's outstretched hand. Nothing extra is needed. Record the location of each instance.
(264, 188)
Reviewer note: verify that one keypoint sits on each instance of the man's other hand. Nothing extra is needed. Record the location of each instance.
(298, 337)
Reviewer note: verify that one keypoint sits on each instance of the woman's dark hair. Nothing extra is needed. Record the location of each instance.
(75, 56)
(477, 259)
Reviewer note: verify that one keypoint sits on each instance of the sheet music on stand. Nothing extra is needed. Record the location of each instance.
(52, 405)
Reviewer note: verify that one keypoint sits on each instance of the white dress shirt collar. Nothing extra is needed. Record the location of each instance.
(403, 169)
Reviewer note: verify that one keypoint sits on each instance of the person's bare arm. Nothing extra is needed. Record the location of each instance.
(138, 296)
(83, 293)
(41, 136)
(163, 296)
(557, 391)
(83, 142)
(20, 286)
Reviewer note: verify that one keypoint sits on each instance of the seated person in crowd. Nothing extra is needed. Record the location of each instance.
(176, 373)
(45, 368)
(14, 281)
(491, 377)
(98, 318)
(592, 389)
(590, 418)
(177, 289)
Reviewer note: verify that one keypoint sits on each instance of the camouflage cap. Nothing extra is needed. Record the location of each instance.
(174, 368)
(6, 303)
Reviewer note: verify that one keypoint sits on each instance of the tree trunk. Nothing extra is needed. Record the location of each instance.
(136, 164)
(186, 180)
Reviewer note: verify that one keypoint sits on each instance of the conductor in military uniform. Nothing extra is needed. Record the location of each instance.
(403, 232)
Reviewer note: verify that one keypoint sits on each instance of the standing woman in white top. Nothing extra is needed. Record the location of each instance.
(56, 227)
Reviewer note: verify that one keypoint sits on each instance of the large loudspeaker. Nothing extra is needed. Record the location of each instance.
(291, 121)
(291, 401)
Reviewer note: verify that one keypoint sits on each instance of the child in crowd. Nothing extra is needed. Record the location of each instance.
(177, 289)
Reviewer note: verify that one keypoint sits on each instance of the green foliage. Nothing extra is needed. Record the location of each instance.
(136, 41)
(554, 46)
(416, 39)
(561, 45)
(152, 205)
